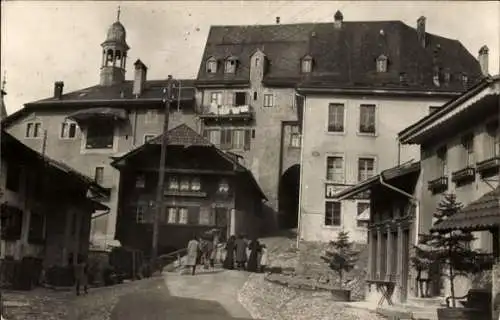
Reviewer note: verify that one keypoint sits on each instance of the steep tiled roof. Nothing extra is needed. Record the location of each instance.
(482, 214)
(153, 89)
(182, 135)
(345, 57)
(16, 149)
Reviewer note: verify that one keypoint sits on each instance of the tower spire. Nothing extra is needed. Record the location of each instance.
(118, 14)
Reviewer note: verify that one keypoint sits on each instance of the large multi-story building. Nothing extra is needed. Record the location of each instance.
(87, 127)
(246, 81)
(367, 80)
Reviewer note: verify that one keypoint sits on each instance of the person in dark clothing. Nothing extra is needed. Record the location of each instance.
(81, 277)
(254, 247)
(229, 260)
(241, 252)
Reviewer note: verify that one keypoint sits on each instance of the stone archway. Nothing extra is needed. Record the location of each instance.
(288, 197)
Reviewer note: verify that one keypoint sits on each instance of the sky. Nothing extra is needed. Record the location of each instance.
(47, 41)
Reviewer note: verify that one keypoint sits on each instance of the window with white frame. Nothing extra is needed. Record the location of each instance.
(183, 216)
(366, 168)
(172, 215)
(195, 184)
(335, 169)
(295, 136)
(333, 213)
(362, 206)
(492, 147)
(442, 161)
(206, 216)
(100, 136)
(140, 214)
(238, 139)
(367, 118)
(185, 184)
(33, 130)
(226, 138)
(468, 159)
(223, 186)
(173, 183)
(216, 98)
(335, 117)
(231, 65)
(151, 116)
(68, 130)
(212, 135)
(306, 66)
(211, 65)
(268, 100)
(99, 175)
(382, 63)
(148, 137)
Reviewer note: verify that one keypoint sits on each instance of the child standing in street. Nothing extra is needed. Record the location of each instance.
(263, 258)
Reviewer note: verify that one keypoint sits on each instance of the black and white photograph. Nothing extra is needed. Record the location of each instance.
(269, 160)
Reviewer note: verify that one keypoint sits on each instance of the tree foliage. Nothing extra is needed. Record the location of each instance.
(340, 256)
(450, 251)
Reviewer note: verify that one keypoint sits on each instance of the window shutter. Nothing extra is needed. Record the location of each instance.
(229, 98)
(247, 139)
(193, 215)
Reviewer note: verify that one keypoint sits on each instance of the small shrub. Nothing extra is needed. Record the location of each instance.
(341, 257)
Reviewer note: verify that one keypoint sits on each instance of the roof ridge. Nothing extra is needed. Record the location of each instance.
(302, 23)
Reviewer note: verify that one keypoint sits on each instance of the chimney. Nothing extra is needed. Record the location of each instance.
(139, 78)
(421, 31)
(338, 19)
(277, 20)
(58, 89)
(483, 60)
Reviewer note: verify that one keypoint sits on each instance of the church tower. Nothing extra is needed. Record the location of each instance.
(114, 54)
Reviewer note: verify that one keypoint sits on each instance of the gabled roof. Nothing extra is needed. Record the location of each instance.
(183, 135)
(410, 133)
(11, 144)
(386, 175)
(153, 90)
(344, 56)
(482, 214)
(98, 96)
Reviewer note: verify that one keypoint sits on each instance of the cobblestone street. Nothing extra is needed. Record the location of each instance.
(217, 295)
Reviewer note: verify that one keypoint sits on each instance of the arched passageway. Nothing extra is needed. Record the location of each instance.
(288, 197)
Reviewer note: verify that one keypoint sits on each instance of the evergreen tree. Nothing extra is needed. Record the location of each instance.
(341, 256)
(451, 251)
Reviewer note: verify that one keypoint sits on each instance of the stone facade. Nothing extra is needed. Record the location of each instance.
(391, 116)
(72, 150)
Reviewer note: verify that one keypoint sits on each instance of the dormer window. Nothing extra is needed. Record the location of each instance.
(211, 65)
(306, 65)
(382, 64)
(231, 65)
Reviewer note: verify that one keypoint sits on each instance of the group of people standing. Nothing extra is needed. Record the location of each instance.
(238, 252)
(246, 255)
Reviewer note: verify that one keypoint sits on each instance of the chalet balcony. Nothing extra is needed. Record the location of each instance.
(438, 185)
(464, 175)
(185, 193)
(489, 166)
(242, 112)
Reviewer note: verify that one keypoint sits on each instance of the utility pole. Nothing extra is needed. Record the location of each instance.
(167, 99)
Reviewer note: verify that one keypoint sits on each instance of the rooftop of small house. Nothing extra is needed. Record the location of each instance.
(470, 108)
(343, 54)
(185, 137)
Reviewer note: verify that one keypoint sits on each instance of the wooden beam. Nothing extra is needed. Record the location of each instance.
(189, 171)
